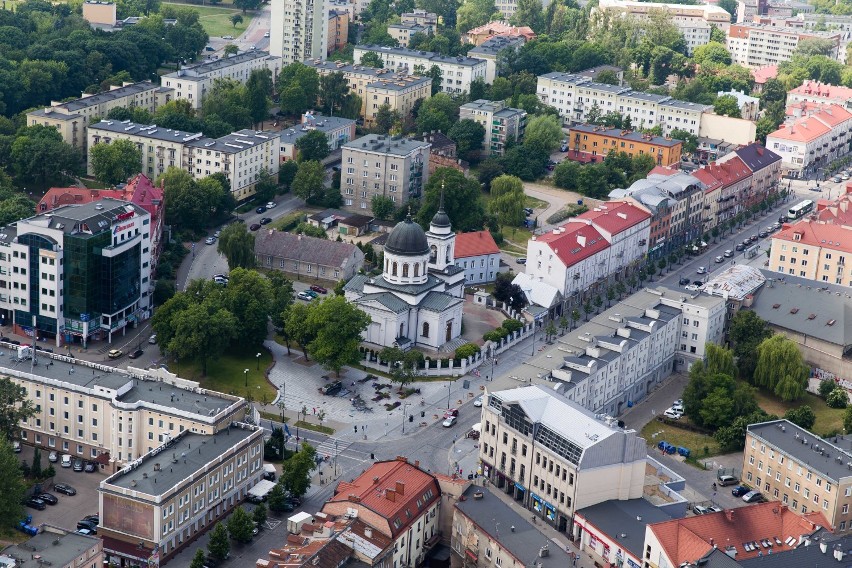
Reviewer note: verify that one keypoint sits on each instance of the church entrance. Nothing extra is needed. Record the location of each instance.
(449, 330)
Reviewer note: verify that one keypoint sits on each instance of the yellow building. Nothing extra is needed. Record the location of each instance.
(97, 12)
(813, 250)
(338, 30)
(598, 141)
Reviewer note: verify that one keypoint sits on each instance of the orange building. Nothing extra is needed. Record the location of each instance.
(586, 140)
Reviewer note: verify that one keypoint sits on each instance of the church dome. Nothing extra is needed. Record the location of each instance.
(407, 239)
(441, 219)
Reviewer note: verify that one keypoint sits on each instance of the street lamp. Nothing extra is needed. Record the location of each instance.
(245, 374)
(258, 361)
(281, 404)
(404, 406)
(449, 389)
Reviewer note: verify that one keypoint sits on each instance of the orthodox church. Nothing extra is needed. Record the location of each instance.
(418, 299)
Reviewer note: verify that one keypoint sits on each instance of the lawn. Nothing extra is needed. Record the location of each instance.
(535, 202)
(225, 374)
(828, 420)
(216, 21)
(656, 431)
(94, 184)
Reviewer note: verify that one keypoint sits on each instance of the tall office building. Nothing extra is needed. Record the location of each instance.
(299, 30)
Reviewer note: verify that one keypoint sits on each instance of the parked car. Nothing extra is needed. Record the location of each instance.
(700, 510)
(677, 406)
(66, 460)
(35, 503)
(331, 388)
(752, 239)
(320, 289)
(311, 293)
(835, 179)
(449, 421)
(714, 509)
(266, 34)
(754, 497)
(48, 498)
(271, 205)
(521, 260)
(683, 281)
(740, 490)
(65, 489)
(728, 253)
(763, 234)
(254, 226)
(228, 37)
(477, 402)
(740, 247)
(53, 457)
(115, 353)
(452, 412)
(304, 296)
(692, 287)
(96, 518)
(88, 525)
(719, 260)
(78, 464)
(725, 480)
(266, 220)
(210, 240)
(85, 532)
(16, 447)
(261, 209)
(698, 283)
(702, 270)
(673, 414)
(153, 339)
(136, 354)
(90, 467)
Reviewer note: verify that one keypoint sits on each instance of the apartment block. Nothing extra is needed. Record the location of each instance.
(457, 73)
(574, 96)
(725, 199)
(76, 273)
(383, 165)
(337, 130)
(758, 45)
(192, 82)
(338, 30)
(503, 125)
(57, 547)
(765, 168)
(403, 33)
(161, 502)
(812, 138)
(478, 36)
(240, 156)
(491, 49)
(813, 250)
(376, 87)
(596, 141)
(554, 457)
(821, 94)
(801, 470)
(299, 29)
(72, 118)
(421, 17)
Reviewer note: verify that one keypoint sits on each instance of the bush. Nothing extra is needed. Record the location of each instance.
(837, 398)
(495, 335)
(562, 214)
(467, 350)
(498, 237)
(511, 325)
(802, 416)
(825, 388)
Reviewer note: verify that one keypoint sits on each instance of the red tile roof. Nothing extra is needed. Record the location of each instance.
(817, 89)
(138, 190)
(616, 216)
(836, 212)
(574, 242)
(763, 74)
(391, 489)
(729, 172)
(476, 243)
(664, 171)
(802, 129)
(830, 115)
(707, 179)
(690, 538)
(826, 235)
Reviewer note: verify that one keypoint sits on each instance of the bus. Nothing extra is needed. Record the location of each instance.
(803, 208)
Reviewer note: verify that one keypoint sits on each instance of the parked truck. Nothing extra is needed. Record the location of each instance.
(269, 471)
(261, 491)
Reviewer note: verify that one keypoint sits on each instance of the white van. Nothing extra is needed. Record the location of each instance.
(66, 460)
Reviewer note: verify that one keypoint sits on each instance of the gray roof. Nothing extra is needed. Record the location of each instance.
(236, 141)
(756, 157)
(425, 55)
(289, 246)
(357, 282)
(383, 74)
(399, 84)
(830, 304)
(801, 446)
(805, 556)
(384, 144)
(96, 216)
(202, 69)
(438, 301)
(625, 521)
(319, 122)
(687, 105)
(101, 98)
(186, 455)
(495, 45)
(513, 532)
(54, 547)
(386, 299)
(408, 239)
(146, 130)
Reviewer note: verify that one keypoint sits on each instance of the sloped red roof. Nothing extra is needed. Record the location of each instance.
(763, 74)
(616, 216)
(664, 171)
(826, 235)
(730, 171)
(707, 179)
(574, 242)
(139, 190)
(476, 243)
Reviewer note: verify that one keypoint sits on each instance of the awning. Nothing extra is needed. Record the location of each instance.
(470, 555)
(477, 427)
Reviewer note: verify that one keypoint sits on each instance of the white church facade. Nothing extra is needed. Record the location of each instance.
(418, 299)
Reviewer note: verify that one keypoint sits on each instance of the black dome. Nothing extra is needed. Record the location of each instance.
(441, 219)
(407, 239)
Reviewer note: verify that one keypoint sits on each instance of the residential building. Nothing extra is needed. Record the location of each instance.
(338, 131)
(240, 156)
(578, 256)
(72, 118)
(402, 33)
(693, 21)
(759, 45)
(491, 49)
(503, 125)
(301, 256)
(377, 87)
(442, 154)
(139, 190)
(110, 415)
(478, 36)
(382, 165)
(811, 140)
(457, 73)
(593, 73)
(479, 255)
(299, 30)
(734, 190)
(734, 535)
(801, 470)
(813, 315)
(749, 106)
(191, 82)
(762, 75)
(477, 538)
(419, 297)
(574, 96)
(820, 94)
(337, 35)
(77, 272)
(812, 21)
(813, 251)
(555, 457)
(747, 9)
(765, 166)
(160, 503)
(421, 17)
(397, 499)
(345, 222)
(54, 546)
(600, 141)
(351, 7)
(99, 13)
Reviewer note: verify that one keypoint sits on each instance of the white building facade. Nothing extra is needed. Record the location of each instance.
(299, 29)
(457, 73)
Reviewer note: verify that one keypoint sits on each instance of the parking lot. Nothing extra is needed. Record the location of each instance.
(70, 509)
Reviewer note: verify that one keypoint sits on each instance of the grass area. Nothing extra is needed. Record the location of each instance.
(828, 420)
(225, 374)
(216, 21)
(656, 431)
(314, 427)
(535, 202)
(290, 218)
(94, 184)
(274, 417)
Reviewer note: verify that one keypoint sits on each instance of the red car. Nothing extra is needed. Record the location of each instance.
(319, 289)
(454, 412)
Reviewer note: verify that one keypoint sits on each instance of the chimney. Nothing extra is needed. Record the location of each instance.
(354, 498)
(729, 513)
(376, 479)
(391, 495)
(400, 487)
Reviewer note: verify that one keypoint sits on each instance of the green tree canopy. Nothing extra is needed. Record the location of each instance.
(712, 52)
(248, 297)
(507, 200)
(240, 526)
(746, 332)
(313, 146)
(38, 154)
(14, 407)
(383, 207)
(296, 471)
(462, 200)
(727, 105)
(192, 204)
(227, 100)
(339, 325)
(780, 368)
(309, 181)
(114, 163)
(468, 136)
(218, 546)
(803, 416)
(543, 134)
(12, 485)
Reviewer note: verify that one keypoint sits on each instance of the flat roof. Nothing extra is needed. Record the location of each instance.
(384, 144)
(832, 457)
(147, 130)
(626, 135)
(53, 547)
(399, 83)
(159, 471)
(99, 98)
(625, 521)
(202, 69)
(236, 141)
(430, 55)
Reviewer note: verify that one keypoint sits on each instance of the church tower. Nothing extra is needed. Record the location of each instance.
(441, 238)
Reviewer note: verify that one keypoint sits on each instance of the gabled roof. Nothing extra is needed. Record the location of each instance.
(302, 248)
(574, 242)
(756, 157)
(802, 130)
(476, 243)
(537, 292)
(826, 235)
(730, 171)
(615, 216)
(708, 180)
(763, 74)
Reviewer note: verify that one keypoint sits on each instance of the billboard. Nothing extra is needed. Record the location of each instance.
(128, 516)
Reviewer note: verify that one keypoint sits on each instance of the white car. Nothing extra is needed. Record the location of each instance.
(673, 414)
(66, 460)
(677, 407)
(53, 457)
(478, 401)
(449, 421)
(228, 37)
(266, 34)
(692, 288)
(153, 339)
(210, 240)
(702, 270)
(271, 205)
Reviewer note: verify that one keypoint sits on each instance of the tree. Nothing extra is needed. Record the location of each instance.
(847, 419)
(12, 486)
(383, 207)
(811, 46)
(529, 13)
(247, 4)
(837, 398)
(333, 92)
(488, 170)
(258, 88)
(803, 416)
(372, 59)
(218, 546)
(192, 204)
(38, 154)
(236, 19)
(36, 467)
(826, 387)
(690, 140)
(712, 53)
(474, 13)
(231, 49)
(309, 181)
(296, 471)
(227, 101)
(287, 173)
(462, 200)
(296, 328)
(14, 408)
(248, 298)
(266, 186)
(732, 438)
(712, 398)
(277, 498)
(282, 298)
(197, 559)
(507, 200)
(607, 77)
(403, 365)
(543, 134)
(313, 146)
(746, 332)
(339, 325)
(468, 136)
(240, 526)
(259, 514)
(385, 119)
(305, 228)
(508, 293)
(727, 105)
(780, 368)
(730, 6)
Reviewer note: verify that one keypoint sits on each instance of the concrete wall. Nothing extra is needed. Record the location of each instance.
(733, 130)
